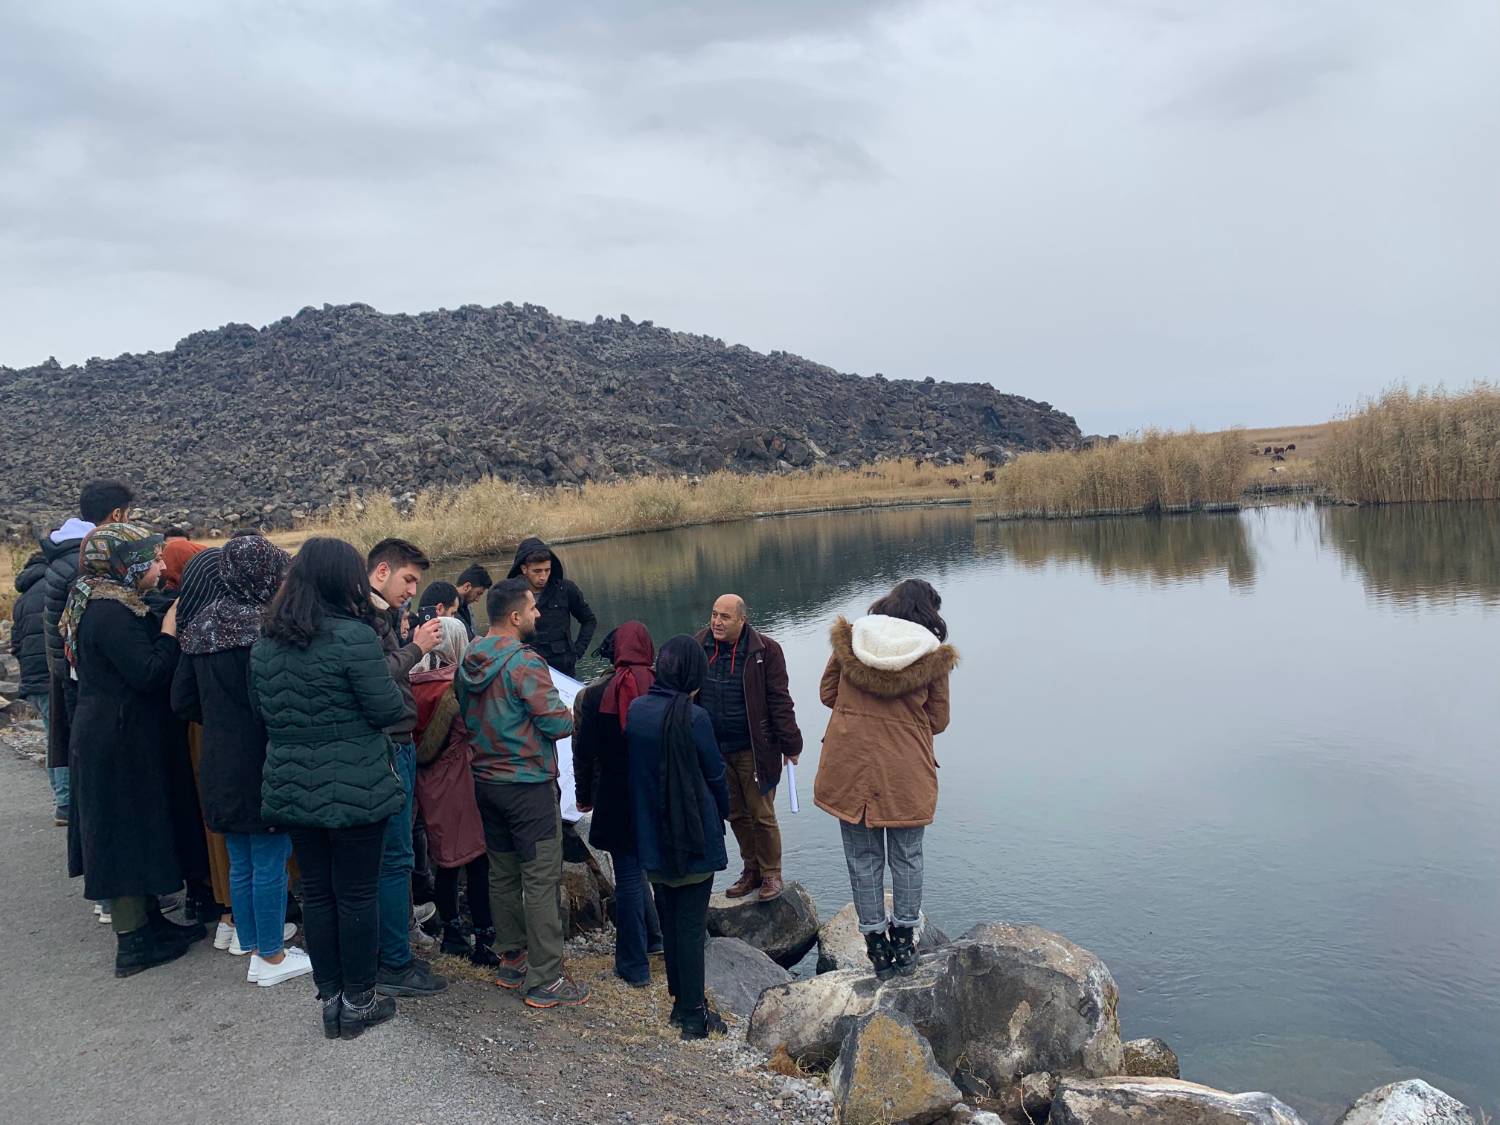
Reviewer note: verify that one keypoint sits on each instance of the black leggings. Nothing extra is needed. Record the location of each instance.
(340, 875)
(477, 878)
(684, 916)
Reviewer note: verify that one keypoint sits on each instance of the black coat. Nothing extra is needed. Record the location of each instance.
(643, 729)
(139, 829)
(62, 568)
(214, 689)
(560, 603)
(26, 641)
(601, 771)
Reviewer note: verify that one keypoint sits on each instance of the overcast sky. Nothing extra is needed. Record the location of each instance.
(1173, 212)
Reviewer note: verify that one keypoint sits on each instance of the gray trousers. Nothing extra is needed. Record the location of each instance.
(868, 851)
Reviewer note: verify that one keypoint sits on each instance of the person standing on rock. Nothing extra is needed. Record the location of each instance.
(472, 585)
(559, 602)
(100, 502)
(395, 568)
(746, 695)
(887, 684)
(601, 782)
(679, 797)
(321, 683)
(514, 718)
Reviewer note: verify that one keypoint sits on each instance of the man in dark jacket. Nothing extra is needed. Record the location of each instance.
(747, 697)
(472, 585)
(29, 647)
(100, 502)
(559, 601)
(395, 568)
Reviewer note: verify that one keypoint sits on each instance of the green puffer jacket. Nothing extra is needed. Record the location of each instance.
(329, 762)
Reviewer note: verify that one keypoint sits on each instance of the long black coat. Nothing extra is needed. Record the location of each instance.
(214, 689)
(139, 830)
(26, 642)
(601, 771)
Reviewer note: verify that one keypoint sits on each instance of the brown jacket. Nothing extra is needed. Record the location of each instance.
(877, 763)
(768, 707)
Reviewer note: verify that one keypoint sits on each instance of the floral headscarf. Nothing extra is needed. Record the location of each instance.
(111, 563)
(250, 571)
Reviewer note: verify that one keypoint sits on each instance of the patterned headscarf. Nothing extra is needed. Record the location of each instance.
(111, 563)
(249, 573)
(200, 586)
(450, 649)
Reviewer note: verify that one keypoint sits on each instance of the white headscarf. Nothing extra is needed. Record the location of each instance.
(450, 649)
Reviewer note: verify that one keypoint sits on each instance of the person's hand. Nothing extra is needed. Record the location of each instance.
(169, 622)
(585, 808)
(428, 636)
(792, 758)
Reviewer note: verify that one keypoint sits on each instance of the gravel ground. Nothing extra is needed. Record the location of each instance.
(191, 1040)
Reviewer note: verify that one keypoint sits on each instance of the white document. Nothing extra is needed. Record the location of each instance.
(791, 786)
(567, 690)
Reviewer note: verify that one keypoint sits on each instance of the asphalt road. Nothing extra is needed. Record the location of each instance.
(189, 1041)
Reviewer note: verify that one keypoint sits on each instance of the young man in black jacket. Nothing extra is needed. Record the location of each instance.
(473, 584)
(560, 602)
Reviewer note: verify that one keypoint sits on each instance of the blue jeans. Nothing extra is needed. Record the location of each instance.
(59, 775)
(631, 962)
(396, 862)
(257, 888)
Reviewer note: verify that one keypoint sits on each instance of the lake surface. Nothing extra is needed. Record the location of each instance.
(1248, 759)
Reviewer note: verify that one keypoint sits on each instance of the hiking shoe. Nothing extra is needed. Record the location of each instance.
(362, 1012)
(414, 980)
(511, 972)
(770, 888)
(564, 992)
(747, 882)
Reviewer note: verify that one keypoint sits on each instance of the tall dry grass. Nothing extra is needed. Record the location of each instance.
(1421, 445)
(1153, 471)
(11, 561)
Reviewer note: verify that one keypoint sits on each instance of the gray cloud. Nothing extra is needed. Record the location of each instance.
(1144, 211)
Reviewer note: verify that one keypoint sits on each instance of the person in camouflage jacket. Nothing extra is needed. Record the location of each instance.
(513, 713)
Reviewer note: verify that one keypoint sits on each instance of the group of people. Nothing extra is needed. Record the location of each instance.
(222, 720)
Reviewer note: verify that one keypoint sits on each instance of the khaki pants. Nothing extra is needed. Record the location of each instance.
(523, 836)
(752, 815)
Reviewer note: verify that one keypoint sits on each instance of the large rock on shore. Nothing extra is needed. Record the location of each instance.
(1151, 1058)
(886, 1073)
(1003, 1002)
(784, 929)
(1161, 1101)
(1412, 1102)
(841, 946)
(736, 974)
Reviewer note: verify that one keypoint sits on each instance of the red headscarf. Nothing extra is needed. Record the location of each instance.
(633, 656)
(175, 556)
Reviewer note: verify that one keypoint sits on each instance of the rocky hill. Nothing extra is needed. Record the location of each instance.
(241, 425)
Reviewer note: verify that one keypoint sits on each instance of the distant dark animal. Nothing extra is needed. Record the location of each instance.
(1291, 448)
(1280, 449)
(954, 482)
(918, 462)
(989, 476)
(1279, 457)
(1268, 450)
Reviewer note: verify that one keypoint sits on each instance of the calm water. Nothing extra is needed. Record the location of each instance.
(1250, 760)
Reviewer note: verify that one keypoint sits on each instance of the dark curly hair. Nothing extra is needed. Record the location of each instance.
(915, 600)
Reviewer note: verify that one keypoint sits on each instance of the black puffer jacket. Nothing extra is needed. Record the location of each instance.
(560, 602)
(62, 568)
(26, 641)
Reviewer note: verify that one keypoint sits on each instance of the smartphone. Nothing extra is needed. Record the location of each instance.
(427, 613)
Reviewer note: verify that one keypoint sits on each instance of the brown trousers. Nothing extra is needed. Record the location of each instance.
(752, 815)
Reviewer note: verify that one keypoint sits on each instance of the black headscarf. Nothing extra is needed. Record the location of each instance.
(250, 570)
(681, 668)
(200, 585)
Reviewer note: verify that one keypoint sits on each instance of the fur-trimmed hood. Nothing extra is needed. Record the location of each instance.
(889, 657)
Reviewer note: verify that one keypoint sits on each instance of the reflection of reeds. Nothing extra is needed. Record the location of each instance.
(1420, 553)
(1161, 550)
(1150, 472)
(1417, 445)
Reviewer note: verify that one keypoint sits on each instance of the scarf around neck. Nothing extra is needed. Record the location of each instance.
(632, 654)
(111, 563)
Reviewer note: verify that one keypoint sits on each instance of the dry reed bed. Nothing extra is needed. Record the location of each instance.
(1409, 446)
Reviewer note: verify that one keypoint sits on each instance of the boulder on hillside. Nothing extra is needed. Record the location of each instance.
(1162, 1101)
(584, 906)
(1150, 1058)
(804, 1015)
(736, 974)
(841, 946)
(1412, 1102)
(784, 929)
(885, 1073)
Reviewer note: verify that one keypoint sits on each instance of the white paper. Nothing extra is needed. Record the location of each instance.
(791, 786)
(567, 690)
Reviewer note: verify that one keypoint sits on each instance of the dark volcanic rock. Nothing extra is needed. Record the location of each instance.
(241, 425)
(784, 929)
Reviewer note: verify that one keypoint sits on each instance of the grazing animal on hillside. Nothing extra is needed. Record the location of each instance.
(954, 482)
(1291, 448)
(1268, 451)
(1280, 449)
(989, 476)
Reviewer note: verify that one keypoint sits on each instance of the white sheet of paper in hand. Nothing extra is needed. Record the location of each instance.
(567, 690)
(791, 786)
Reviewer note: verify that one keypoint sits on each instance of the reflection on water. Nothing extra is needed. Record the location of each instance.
(1413, 554)
(1254, 774)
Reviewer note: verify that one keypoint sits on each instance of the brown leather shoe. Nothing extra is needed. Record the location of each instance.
(771, 887)
(746, 883)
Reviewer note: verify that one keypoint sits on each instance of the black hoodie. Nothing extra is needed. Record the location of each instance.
(26, 641)
(560, 602)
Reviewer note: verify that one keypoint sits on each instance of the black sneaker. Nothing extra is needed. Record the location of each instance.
(675, 1019)
(414, 980)
(564, 992)
(365, 1011)
(882, 957)
(511, 972)
(904, 949)
(702, 1023)
(455, 941)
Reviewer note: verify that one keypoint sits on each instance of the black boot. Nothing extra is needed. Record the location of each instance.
(144, 948)
(878, 946)
(483, 952)
(675, 1019)
(164, 927)
(700, 1023)
(904, 949)
(360, 1012)
(455, 941)
(331, 1006)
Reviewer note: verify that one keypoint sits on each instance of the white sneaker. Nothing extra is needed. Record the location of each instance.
(295, 964)
(224, 935)
(424, 913)
(105, 918)
(239, 951)
(98, 910)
